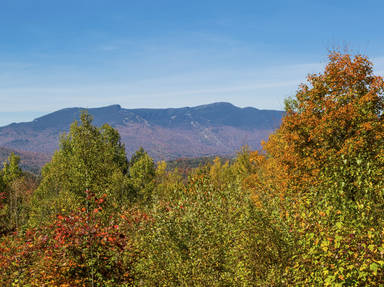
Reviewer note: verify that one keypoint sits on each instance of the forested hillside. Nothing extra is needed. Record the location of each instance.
(29, 161)
(166, 134)
(307, 210)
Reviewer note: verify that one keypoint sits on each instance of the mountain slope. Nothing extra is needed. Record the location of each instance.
(29, 161)
(214, 129)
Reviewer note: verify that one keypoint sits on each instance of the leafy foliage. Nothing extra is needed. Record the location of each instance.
(142, 173)
(15, 193)
(337, 118)
(306, 211)
(211, 237)
(89, 158)
(325, 163)
(81, 248)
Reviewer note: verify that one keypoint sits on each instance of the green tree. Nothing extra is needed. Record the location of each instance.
(168, 183)
(12, 198)
(2, 190)
(211, 236)
(89, 158)
(142, 173)
(11, 169)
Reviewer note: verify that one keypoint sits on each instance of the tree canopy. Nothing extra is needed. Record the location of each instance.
(306, 211)
(89, 158)
(336, 119)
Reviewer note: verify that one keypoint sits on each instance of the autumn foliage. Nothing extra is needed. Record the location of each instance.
(81, 248)
(323, 168)
(307, 210)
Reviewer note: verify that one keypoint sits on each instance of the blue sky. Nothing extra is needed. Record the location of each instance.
(161, 53)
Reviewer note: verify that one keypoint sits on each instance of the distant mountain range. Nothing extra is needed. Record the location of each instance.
(214, 129)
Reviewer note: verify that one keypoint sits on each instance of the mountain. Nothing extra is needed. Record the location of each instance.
(214, 129)
(29, 161)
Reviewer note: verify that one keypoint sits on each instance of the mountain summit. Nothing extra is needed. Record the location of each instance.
(213, 129)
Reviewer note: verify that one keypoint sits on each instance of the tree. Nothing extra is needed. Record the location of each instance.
(81, 248)
(326, 164)
(142, 173)
(2, 191)
(168, 183)
(89, 158)
(210, 236)
(11, 197)
(11, 169)
(335, 124)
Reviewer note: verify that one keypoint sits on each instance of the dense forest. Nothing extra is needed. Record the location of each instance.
(307, 210)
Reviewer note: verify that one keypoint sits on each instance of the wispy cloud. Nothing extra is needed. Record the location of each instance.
(156, 74)
(263, 88)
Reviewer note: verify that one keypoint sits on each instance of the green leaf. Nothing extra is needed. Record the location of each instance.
(373, 267)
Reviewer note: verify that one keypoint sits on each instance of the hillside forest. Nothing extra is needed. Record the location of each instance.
(306, 210)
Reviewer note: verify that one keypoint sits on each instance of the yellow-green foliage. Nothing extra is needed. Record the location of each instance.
(142, 172)
(306, 211)
(14, 195)
(89, 158)
(325, 166)
(213, 235)
(168, 183)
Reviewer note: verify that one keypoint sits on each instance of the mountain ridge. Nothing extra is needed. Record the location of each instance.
(212, 129)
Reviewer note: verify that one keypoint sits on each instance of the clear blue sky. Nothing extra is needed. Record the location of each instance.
(159, 53)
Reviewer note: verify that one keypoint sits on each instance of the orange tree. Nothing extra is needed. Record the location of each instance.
(334, 126)
(323, 173)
